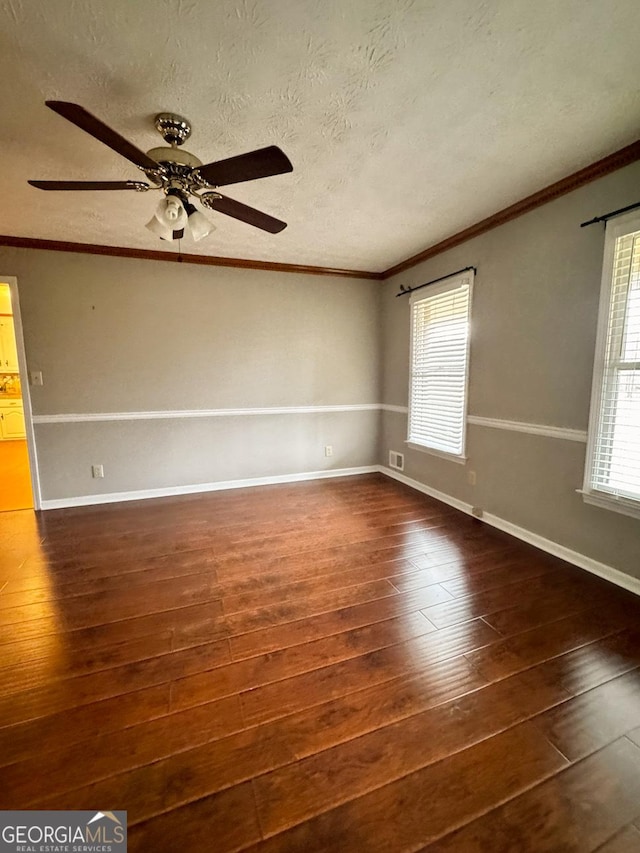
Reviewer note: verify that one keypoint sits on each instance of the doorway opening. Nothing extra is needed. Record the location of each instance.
(17, 462)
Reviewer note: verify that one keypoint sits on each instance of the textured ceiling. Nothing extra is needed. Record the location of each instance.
(406, 121)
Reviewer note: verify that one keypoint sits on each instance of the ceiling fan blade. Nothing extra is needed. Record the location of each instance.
(243, 212)
(246, 167)
(100, 131)
(140, 186)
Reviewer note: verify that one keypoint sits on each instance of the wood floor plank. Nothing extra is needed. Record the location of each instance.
(427, 804)
(272, 581)
(46, 585)
(590, 721)
(208, 769)
(113, 606)
(286, 611)
(322, 625)
(547, 641)
(278, 592)
(356, 767)
(208, 614)
(51, 585)
(495, 604)
(387, 540)
(549, 607)
(496, 576)
(448, 552)
(625, 841)
(250, 673)
(85, 689)
(371, 508)
(575, 811)
(111, 754)
(597, 662)
(458, 567)
(345, 530)
(25, 739)
(29, 665)
(272, 700)
(225, 822)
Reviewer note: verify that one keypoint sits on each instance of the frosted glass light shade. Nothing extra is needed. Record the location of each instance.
(170, 216)
(199, 225)
(165, 232)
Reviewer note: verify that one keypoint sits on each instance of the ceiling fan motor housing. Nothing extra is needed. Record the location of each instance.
(174, 156)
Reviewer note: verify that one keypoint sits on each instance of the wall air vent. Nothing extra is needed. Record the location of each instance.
(396, 460)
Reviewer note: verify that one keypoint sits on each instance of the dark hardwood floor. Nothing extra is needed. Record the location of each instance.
(343, 665)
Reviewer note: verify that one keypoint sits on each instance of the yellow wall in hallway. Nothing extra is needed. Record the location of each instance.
(5, 299)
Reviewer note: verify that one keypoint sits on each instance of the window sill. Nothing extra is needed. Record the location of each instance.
(451, 457)
(626, 506)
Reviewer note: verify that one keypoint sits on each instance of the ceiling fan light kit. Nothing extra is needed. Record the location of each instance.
(175, 215)
(179, 174)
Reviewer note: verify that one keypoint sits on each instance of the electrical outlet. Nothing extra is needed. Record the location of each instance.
(471, 477)
(97, 471)
(328, 450)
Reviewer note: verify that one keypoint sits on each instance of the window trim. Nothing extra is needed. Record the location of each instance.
(451, 457)
(615, 228)
(451, 283)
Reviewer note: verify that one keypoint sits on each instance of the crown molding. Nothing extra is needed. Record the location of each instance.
(175, 257)
(611, 163)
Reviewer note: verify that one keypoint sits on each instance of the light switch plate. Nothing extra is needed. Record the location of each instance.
(36, 377)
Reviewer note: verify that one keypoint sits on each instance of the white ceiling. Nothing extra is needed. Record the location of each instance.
(406, 120)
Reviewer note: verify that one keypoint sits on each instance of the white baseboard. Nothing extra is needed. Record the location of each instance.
(172, 491)
(602, 570)
(581, 560)
(426, 490)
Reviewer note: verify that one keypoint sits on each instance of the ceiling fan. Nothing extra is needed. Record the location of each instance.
(178, 174)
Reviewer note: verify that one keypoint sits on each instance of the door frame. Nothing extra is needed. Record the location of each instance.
(12, 281)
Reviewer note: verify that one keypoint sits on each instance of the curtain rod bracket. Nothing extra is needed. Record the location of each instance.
(405, 291)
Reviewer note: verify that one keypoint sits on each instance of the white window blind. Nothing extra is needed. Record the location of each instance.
(439, 365)
(613, 463)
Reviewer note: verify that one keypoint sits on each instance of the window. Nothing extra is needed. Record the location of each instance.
(439, 367)
(612, 475)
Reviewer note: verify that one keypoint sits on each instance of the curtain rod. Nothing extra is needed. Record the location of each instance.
(404, 291)
(606, 216)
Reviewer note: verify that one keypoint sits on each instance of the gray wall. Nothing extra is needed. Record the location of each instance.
(118, 335)
(114, 335)
(533, 336)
